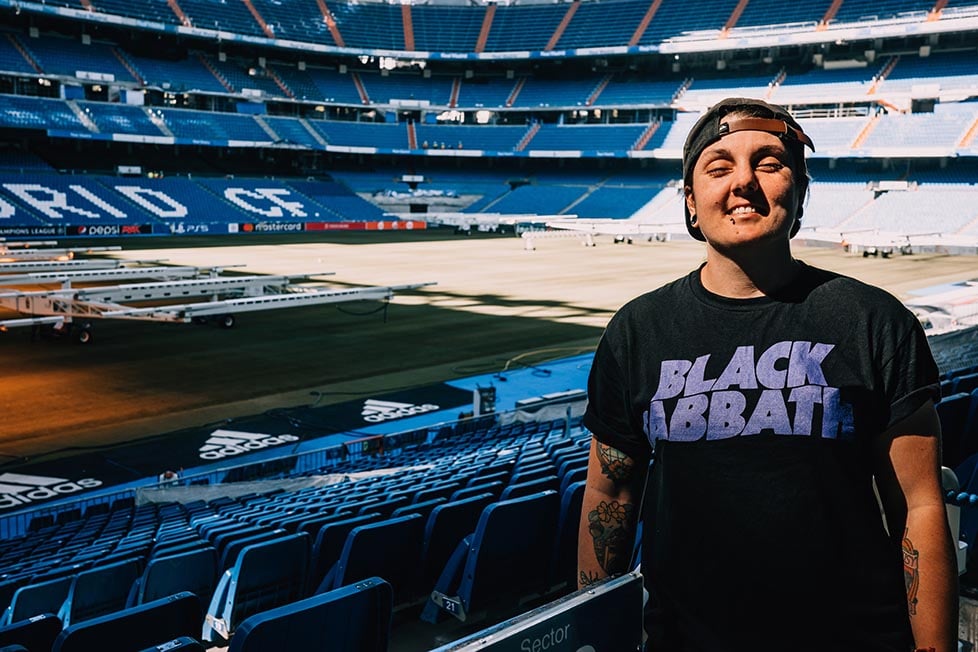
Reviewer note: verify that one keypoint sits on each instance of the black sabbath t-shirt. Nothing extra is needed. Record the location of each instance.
(759, 519)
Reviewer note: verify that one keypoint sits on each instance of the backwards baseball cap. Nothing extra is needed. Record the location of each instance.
(750, 115)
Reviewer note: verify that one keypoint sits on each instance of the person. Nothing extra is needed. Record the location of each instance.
(773, 397)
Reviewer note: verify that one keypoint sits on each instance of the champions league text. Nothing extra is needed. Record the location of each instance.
(782, 390)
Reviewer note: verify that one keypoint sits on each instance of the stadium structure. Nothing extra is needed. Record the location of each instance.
(137, 118)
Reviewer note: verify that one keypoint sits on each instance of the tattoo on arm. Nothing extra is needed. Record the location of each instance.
(611, 528)
(911, 572)
(616, 466)
(589, 578)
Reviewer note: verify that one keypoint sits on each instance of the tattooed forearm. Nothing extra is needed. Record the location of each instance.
(616, 466)
(911, 572)
(588, 578)
(612, 529)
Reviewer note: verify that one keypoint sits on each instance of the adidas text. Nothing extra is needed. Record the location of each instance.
(377, 411)
(245, 446)
(33, 494)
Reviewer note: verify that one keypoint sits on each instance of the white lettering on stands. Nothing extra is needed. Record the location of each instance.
(549, 640)
(235, 195)
(84, 192)
(6, 210)
(170, 207)
(49, 201)
(17, 496)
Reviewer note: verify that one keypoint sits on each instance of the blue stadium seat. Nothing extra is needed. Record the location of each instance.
(266, 575)
(328, 546)
(966, 383)
(193, 571)
(35, 633)
(564, 567)
(134, 628)
(355, 617)
(390, 549)
(495, 488)
(495, 565)
(181, 644)
(545, 483)
(99, 590)
(953, 412)
(424, 508)
(36, 599)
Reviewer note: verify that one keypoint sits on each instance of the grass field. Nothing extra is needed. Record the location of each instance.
(494, 301)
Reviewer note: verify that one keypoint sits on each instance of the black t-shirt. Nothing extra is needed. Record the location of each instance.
(761, 527)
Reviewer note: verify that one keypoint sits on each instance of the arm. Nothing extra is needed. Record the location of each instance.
(609, 513)
(909, 482)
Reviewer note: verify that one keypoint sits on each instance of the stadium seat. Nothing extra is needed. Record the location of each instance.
(545, 483)
(265, 575)
(134, 628)
(36, 599)
(506, 559)
(424, 508)
(99, 591)
(234, 546)
(564, 568)
(953, 413)
(183, 643)
(390, 549)
(35, 633)
(495, 488)
(328, 546)
(446, 526)
(355, 617)
(194, 571)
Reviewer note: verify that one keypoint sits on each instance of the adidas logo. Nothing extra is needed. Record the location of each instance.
(228, 443)
(17, 489)
(375, 411)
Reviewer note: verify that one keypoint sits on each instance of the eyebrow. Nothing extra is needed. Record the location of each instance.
(764, 150)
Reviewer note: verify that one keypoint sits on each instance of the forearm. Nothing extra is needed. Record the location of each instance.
(930, 572)
(609, 514)
(606, 536)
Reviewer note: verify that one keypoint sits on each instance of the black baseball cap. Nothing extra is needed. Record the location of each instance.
(753, 115)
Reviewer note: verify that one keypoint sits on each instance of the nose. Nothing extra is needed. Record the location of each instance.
(744, 179)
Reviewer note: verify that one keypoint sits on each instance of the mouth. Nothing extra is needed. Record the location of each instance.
(744, 211)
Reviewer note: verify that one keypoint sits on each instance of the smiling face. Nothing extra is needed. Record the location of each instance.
(743, 190)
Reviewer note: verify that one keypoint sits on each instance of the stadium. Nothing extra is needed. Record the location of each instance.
(451, 199)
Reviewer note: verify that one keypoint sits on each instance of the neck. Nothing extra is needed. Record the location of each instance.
(747, 276)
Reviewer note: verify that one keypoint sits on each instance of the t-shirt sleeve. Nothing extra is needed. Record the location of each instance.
(910, 375)
(609, 415)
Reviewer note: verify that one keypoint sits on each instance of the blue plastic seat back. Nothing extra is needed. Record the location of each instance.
(545, 483)
(268, 575)
(354, 617)
(134, 628)
(953, 412)
(36, 599)
(181, 644)
(35, 633)
(564, 570)
(424, 508)
(495, 488)
(511, 549)
(390, 549)
(194, 571)
(965, 383)
(99, 590)
(232, 549)
(328, 546)
(447, 525)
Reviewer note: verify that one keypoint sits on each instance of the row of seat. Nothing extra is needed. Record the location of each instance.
(325, 536)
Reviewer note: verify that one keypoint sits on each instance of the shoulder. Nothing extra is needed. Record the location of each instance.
(652, 302)
(844, 293)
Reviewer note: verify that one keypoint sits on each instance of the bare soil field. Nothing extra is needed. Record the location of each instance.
(493, 301)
